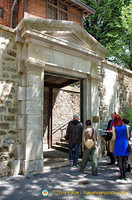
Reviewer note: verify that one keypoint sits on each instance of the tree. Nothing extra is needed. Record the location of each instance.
(108, 27)
(127, 25)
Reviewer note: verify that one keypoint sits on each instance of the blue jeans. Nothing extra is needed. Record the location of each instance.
(73, 156)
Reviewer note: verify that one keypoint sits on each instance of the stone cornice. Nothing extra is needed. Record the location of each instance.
(63, 43)
(41, 25)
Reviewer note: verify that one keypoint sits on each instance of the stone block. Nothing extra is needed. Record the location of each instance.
(3, 165)
(4, 125)
(12, 110)
(21, 107)
(2, 109)
(34, 80)
(34, 122)
(30, 107)
(33, 107)
(33, 167)
(16, 167)
(9, 118)
(21, 136)
(9, 141)
(2, 132)
(29, 93)
(34, 144)
(21, 124)
(14, 132)
(4, 149)
(20, 151)
(34, 93)
(21, 94)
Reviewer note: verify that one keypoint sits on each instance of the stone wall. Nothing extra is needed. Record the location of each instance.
(8, 101)
(115, 91)
(66, 103)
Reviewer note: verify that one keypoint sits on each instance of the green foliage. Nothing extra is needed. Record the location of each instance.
(127, 112)
(111, 25)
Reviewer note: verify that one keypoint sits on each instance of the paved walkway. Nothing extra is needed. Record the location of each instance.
(69, 184)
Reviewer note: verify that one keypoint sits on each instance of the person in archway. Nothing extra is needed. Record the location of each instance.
(89, 133)
(126, 122)
(74, 136)
(111, 143)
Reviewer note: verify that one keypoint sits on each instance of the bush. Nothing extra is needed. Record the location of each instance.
(127, 112)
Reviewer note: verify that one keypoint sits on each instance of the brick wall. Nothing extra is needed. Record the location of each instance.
(21, 11)
(31, 8)
(8, 101)
(6, 4)
(37, 8)
(75, 15)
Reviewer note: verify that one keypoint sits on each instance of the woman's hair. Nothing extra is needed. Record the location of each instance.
(88, 122)
(117, 121)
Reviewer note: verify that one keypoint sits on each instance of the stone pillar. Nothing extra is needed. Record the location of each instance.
(30, 119)
(86, 99)
(95, 112)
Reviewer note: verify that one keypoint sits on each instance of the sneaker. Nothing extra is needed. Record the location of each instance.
(75, 166)
(120, 177)
(111, 163)
(124, 177)
(71, 163)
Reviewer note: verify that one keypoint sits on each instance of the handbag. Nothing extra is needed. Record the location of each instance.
(129, 148)
(109, 136)
(130, 158)
(89, 143)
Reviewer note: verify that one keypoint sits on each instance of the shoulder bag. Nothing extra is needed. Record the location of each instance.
(89, 143)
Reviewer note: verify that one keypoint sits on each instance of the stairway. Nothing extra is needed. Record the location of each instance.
(62, 145)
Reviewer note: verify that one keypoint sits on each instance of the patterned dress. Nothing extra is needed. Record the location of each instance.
(121, 142)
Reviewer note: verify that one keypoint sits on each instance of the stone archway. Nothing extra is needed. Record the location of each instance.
(42, 48)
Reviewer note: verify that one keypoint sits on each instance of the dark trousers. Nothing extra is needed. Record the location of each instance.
(73, 157)
(122, 165)
(112, 157)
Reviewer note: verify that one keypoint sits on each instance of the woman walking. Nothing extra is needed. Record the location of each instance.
(120, 135)
(89, 133)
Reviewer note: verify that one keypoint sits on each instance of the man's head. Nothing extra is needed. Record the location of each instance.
(125, 120)
(113, 114)
(76, 117)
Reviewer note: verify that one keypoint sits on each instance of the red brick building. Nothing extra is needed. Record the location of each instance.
(13, 11)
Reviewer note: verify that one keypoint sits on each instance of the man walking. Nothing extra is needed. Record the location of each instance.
(111, 143)
(74, 136)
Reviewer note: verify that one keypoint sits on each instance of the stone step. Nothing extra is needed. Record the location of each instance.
(63, 144)
(63, 140)
(60, 148)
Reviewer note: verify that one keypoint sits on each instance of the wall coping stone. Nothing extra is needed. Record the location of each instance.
(5, 28)
(116, 66)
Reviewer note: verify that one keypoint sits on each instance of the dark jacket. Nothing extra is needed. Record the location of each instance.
(109, 124)
(74, 132)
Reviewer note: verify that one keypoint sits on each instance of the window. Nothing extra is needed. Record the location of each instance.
(52, 13)
(56, 9)
(1, 12)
